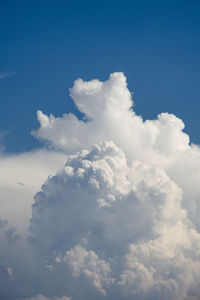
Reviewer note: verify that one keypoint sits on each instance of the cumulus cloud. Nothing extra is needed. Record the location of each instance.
(119, 220)
(109, 116)
(87, 263)
(140, 241)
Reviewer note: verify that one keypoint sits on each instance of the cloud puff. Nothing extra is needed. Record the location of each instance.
(120, 219)
(120, 226)
(109, 116)
(87, 263)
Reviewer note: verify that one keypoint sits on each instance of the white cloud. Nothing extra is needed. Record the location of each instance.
(87, 263)
(109, 116)
(107, 106)
(143, 234)
(21, 176)
(120, 220)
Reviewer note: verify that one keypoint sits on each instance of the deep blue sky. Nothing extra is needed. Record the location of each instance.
(49, 44)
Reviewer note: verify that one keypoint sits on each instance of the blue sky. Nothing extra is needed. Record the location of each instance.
(46, 45)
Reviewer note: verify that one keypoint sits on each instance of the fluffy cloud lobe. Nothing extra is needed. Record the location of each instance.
(120, 219)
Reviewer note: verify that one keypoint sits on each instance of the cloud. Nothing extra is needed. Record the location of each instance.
(141, 242)
(21, 176)
(109, 116)
(87, 263)
(119, 219)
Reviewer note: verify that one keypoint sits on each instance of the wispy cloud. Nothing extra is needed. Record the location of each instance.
(4, 75)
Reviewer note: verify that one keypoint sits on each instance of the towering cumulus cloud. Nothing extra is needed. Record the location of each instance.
(120, 220)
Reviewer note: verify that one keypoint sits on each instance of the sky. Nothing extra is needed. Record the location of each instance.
(46, 45)
(99, 150)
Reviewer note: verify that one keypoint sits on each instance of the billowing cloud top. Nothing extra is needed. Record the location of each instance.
(108, 116)
(120, 219)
